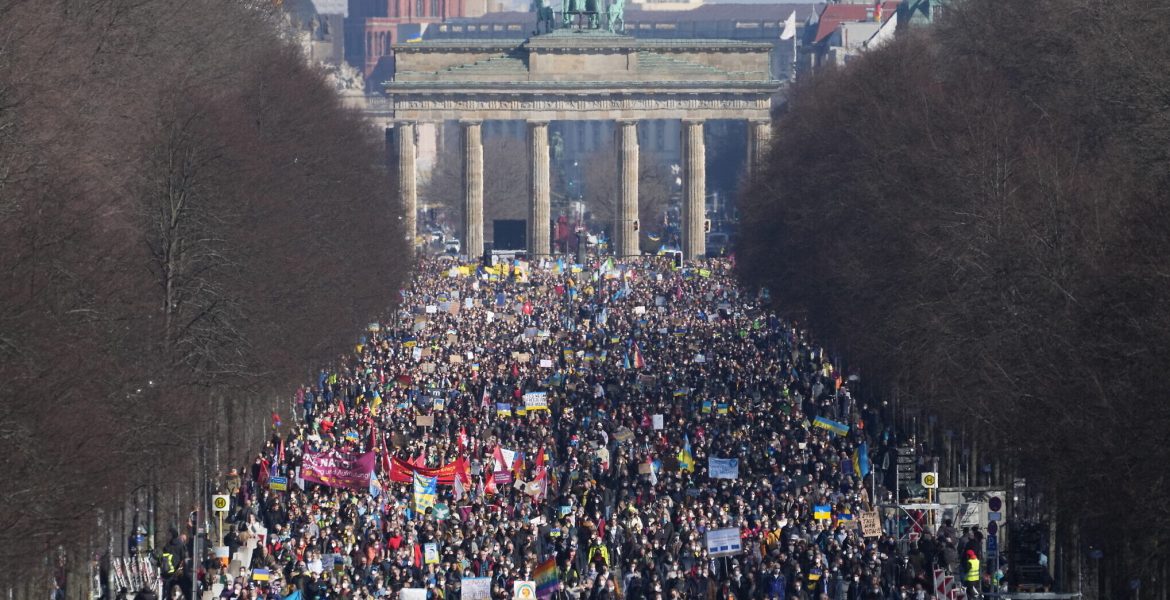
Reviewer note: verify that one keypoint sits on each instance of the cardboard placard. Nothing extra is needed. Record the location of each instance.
(425, 421)
(871, 526)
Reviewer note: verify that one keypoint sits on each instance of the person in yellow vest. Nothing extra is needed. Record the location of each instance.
(971, 575)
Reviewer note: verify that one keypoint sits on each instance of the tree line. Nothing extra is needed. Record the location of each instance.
(976, 214)
(189, 222)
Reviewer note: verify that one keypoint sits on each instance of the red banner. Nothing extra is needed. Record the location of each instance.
(402, 471)
(339, 469)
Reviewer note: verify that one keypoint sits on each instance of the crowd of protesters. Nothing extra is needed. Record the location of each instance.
(649, 370)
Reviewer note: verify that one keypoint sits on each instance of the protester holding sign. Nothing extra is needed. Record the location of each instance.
(575, 439)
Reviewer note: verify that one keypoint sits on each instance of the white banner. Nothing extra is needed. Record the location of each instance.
(724, 542)
(476, 588)
(723, 468)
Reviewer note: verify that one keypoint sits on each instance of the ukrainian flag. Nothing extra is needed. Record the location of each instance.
(686, 460)
(822, 512)
(261, 575)
(861, 460)
(831, 425)
(424, 492)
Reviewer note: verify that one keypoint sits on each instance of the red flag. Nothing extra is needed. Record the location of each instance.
(385, 455)
(639, 362)
(264, 467)
(540, 458)
(461, 440)
(275, 420)
(420, 460)
(489, 487)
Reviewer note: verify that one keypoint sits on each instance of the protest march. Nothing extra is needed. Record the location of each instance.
(617, 429)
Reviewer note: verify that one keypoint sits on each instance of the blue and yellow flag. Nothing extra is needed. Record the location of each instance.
(822, 512)
(686, 460)
(831, 425)
(424, 492)
(861, 460)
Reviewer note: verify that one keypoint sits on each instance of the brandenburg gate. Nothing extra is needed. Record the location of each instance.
(578, 75)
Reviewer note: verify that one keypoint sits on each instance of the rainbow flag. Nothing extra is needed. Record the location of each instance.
(547, 581)
(639, 362)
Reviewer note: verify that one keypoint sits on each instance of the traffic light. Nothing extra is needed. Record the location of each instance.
(706, 225)
(635, 225)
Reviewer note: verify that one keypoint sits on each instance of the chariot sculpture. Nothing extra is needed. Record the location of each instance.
(581, 15)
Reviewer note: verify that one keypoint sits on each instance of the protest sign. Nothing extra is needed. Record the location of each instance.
(338, 469)
(723, 468)
(870, 524)
(724, 542)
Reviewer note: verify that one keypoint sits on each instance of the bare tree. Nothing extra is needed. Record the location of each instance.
(177, 187)
(970, 213)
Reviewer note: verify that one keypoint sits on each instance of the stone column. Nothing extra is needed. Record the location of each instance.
(759, 134)
(694, 152)
(625, 234)
(472, 188)
(538, 185)
(408, 179)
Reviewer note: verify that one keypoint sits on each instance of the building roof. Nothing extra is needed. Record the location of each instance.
(742, 11)
(748, 10)
(835, 14)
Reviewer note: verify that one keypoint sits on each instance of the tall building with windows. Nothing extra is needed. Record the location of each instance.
(372, 27)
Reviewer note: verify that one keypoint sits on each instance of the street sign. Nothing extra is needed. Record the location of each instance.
(220, 503)
(930, 480)
(992, 544)
(907, 465)
(993, 527)
(994, 516)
